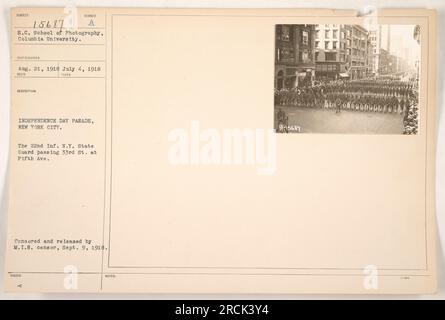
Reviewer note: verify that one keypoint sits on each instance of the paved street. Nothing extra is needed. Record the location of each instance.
(327, 121)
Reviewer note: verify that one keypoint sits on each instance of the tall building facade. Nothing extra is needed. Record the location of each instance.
(342, 51)
(330, 51)
(370, 71)
(294, 55)
(374, 39)
(381, 41)
(358, 67)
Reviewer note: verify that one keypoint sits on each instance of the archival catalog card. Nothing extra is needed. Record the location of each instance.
(222, 151)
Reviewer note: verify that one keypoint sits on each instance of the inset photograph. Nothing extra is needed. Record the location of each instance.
(332, 78)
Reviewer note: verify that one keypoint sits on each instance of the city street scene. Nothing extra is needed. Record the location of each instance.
(333, 78)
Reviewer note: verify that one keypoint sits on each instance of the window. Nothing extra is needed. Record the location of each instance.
(317, 44)
(335, 34)
(303, 56)
(305, 37)
(326, 44)
(330, 56)
(285, 33)
(290, 71)
(326, 34)
(317, 34)
(334, 45)
(285, 54)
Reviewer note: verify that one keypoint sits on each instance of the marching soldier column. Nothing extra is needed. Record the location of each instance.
(383, 94)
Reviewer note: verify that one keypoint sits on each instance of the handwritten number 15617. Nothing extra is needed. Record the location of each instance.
(47, 24)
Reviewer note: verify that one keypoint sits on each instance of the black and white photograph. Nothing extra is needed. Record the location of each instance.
(332, 78)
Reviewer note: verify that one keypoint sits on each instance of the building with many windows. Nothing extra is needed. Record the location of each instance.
(342, 51)
(358, 54)
(370, 71)
(330, 51)
(380, 39)
(374, 39)
(294, 55)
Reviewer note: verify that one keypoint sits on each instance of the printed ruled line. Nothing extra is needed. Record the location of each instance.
(222, 273)
(230, 16)
(35, 77)
(63, 28)
(41, 60)
(58, 44)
